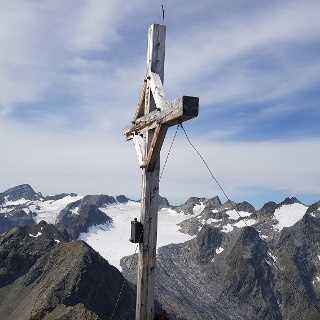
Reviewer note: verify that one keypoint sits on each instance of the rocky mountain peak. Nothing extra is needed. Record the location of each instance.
(212, 203)
(78, 216)
(206, 242)
(289, 200)
(42, 278)
(315, 207)
(229, 205)
(59, 196)
(99, 200)
(23, 191)
(163, 202)
(268, 208)
(122, 198)
(245, 206)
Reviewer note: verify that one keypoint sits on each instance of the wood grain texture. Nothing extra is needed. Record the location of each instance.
(150, 187)
(180, 110)
(153, 116)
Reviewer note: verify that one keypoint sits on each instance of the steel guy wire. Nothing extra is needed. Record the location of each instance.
(234, 208)
(169, 151)
(123, 285)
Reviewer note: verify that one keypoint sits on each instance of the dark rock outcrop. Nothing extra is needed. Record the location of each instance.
(238, 275)
(44, 277)
(267, 209)
(98, 200)
(212, 203)
(163, 203)
(289, 200)
(78, 216)
(245, 206)
(23, 191)
(15, 218)
(58, 196)
(187, 207)
(122, 198)
(315, 207)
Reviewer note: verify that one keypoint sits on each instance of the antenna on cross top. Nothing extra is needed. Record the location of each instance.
(162, 13)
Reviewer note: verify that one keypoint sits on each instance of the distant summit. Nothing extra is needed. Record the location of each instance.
(23, 191)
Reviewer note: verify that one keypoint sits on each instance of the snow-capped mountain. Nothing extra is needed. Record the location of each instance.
(240, 272)
(216, 260)
(101, 219)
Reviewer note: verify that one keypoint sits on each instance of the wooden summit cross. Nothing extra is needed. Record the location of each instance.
(153, 117)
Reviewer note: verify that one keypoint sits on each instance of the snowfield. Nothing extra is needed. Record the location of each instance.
(288, 215)
(49, 210)
(112, 241)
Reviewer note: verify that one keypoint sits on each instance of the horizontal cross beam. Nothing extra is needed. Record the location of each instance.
(182, 109)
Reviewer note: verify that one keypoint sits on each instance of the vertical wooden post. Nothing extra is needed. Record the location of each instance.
(150, 187)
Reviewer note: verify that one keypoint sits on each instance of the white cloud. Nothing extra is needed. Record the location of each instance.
(43, 51)
(42, 41)
(208, 60)
(92, 162)
(288, 166)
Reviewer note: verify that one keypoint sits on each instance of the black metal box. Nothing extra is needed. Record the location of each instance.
(136, 231)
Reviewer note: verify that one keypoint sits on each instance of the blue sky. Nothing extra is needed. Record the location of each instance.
(70, 78)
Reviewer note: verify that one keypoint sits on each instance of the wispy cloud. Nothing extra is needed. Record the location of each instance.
(70, 72)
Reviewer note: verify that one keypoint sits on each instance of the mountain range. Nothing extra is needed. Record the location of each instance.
(215, 260)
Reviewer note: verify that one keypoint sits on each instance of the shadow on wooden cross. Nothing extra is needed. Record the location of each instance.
(166, 114)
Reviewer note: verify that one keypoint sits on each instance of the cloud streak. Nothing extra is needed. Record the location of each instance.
(71, 72)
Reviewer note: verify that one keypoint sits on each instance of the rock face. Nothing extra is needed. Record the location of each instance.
(239, 275)
(78, 216)
(44, 277)
(58, 196)
(188, 206)
(21, 205)
(23, 191)
(163, 203)
(213, 211)
(15, 218)
(122, 198)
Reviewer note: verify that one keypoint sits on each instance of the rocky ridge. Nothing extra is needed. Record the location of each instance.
(240, 275)
(43, 276)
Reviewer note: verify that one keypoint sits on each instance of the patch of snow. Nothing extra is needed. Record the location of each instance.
(198, 208)
(57, 241)
(49, 210)
(35, 236)
(233, 214)
(112, 242)
(227, 228)
(211, 220)
(244, 223)
(17, 202)
(274, 258)
(219, 250)
(212, 260)
(316, 280)
(75, 211)
(288, 215)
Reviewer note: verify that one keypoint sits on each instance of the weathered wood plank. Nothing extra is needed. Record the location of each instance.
(182, 109)
(150, 188)
(140, 108)
(155, 147)
(157, 91)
